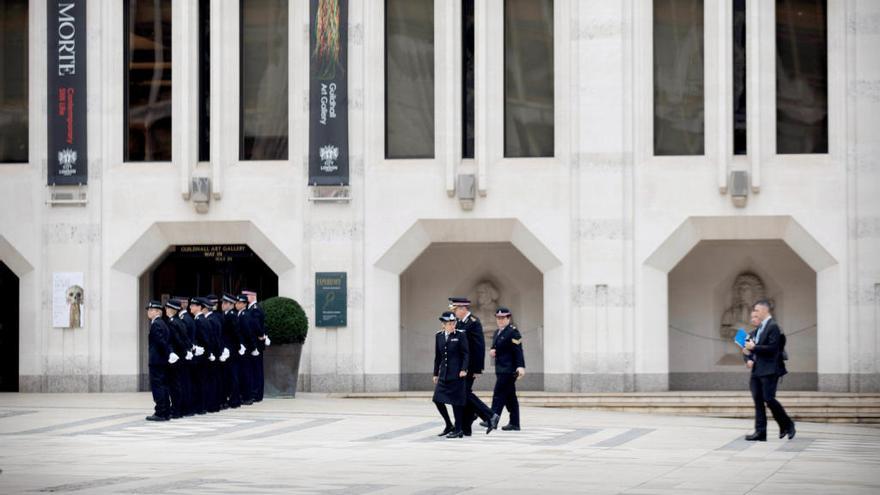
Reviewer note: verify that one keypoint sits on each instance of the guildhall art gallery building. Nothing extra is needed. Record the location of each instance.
(626, 175)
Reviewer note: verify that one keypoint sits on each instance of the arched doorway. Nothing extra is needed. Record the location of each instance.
(9, 330)
(199, 270)
(490, 275)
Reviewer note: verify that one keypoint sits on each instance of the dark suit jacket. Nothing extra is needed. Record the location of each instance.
(476, 342)
(450, 355)
(179, 337)
(231, 338)
(203, 336)
(767, 353)
(158, 340)
(258, 324)
(190, 323)
(246, 331)
(507, 343)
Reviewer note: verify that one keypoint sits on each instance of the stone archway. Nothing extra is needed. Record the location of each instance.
(16, 283)
(652, 318)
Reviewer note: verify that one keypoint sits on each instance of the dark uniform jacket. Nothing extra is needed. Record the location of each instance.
(451, 356)
(231, 339)
(158, 341)
(190, 323)
(767, 353)
(258, 324)
(246, 331)
(507, 343)
(476, 342)
(180, 341)
(203, 336)
(216, 320)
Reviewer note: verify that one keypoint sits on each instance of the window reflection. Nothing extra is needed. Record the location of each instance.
(678, 77)
(264, 74)
(528, 78)
(13, 81)
(409, 78)
(739, 77)
(148, 80)
(801, 76)
(467, 75)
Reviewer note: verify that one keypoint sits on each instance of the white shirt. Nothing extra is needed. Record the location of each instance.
(761, 327)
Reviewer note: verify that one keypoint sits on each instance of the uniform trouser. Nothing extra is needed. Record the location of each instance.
(176, 379)
(457, 412)
(764, 392)
(233, 395)
(504, 395)
(257, 378)
(244, 377)
(199, 387)
(214, 386)
(159, 388)
(474, 406)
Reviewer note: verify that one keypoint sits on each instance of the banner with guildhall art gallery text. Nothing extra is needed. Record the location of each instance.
(66, 76)
(328, 93)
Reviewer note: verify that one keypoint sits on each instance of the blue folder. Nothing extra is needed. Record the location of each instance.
(741, 337)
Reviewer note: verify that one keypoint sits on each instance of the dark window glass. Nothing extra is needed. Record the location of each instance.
(13, 81)
(801, 76)
(467, 75)
(409, 78)
(528, 78)
(204, 80)
(678, 77)
(739, 77)
(264, 72)
(148, 80)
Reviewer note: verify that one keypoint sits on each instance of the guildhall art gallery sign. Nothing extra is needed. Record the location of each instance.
(66, 76)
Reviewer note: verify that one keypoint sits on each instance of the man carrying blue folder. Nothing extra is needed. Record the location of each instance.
(765, 348)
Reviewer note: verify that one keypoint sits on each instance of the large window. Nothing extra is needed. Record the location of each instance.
(739, 78)
(204, 80)
(13, 81)
(467, 74)
(801, 76)
(264, 80)
(528, 78)
(409, 78)
(148, 80)
(678, 77)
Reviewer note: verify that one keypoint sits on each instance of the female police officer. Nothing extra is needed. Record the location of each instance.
(509, 367)
(450, 370)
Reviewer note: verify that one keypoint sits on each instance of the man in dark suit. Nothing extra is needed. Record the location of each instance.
(450, 371)
(765, 348)
(473, 328)
(510, 366)
(160, 355)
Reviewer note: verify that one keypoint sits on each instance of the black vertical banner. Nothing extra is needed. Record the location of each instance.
(328, 93)
(66, 75)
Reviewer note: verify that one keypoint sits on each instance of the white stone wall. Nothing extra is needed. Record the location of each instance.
(603, 221)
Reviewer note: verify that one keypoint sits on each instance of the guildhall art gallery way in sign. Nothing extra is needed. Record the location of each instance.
(626, 176)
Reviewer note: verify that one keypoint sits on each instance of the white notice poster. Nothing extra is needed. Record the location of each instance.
(67, 300)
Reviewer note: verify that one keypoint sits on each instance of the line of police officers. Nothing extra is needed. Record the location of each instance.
(459, 354)
(202, 360)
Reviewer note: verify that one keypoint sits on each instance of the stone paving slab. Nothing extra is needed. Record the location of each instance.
(315, 444)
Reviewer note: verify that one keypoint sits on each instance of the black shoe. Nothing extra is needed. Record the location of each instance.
(200, 413)
(510, 428)
(758, 436)
(187, 415)
(484, 424)
(466, 433)
(235, 406)
(176, 416)
(248, 402)
(788, 431)
(455, 434)
(153, 417)
(492, 424)
(446, 431)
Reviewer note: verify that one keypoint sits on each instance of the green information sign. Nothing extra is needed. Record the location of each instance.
(331, 299)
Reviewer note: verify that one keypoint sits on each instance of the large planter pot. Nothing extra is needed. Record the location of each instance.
(281, 369)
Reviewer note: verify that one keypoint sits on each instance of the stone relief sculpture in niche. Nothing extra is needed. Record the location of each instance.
(485, 302)
(747, 288)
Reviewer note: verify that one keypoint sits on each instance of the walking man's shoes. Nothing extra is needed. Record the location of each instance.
(153, 417)
(455, 434)
(758, 436)
(788, 431)
(510, 428)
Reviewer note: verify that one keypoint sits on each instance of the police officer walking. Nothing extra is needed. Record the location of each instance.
(510, 366)
(473, 329)
(160, 355)
(450, 371)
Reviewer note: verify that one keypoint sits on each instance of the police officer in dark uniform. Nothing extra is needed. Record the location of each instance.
(197, 386)
(258, 322)
(160, 354)
(473, 328)
(204, 339)
(232, 343)
(450, 372)
(178, 373)
(216, 367)
(510, 365)
(248, 353)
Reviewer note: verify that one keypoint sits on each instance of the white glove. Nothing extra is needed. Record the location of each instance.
(268, 342)
(224, 355)
(211, 357)
(241, 350)
(255, 353)
(199, 350)
(189, 355)
(173, 358)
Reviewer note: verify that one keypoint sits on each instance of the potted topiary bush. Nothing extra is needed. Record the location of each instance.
(287, 326)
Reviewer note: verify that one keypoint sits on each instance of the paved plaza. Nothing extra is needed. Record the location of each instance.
(314, 444)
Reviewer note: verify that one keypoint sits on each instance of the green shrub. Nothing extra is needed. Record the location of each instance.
(286, 322)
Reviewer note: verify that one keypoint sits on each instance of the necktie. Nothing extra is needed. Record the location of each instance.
(758, 333)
